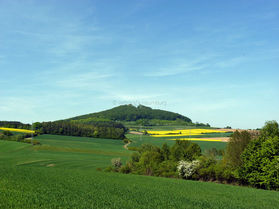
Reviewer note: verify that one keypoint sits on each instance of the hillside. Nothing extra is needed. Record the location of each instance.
(61, 173)
(130, 113)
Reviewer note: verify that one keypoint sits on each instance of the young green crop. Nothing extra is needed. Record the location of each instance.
(61, 173)
(50, 187)
(138, 140)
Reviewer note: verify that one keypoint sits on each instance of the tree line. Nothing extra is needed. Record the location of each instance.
(247, 160)
(109, 130)
(14, 124)
(97, 129)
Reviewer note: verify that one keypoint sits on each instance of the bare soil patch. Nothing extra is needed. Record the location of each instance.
(136, 132)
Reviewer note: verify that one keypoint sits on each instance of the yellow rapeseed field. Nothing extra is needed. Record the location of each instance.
(17, 130)
(183, 132)
(199, 139)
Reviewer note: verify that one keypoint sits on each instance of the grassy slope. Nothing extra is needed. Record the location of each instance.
(74, 182)
(64, 151)
(64, 188)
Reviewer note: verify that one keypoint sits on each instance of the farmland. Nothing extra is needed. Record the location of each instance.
(138, 140)
(16, 130)
(185, 132)
(61, 173)
(31, 187)
(214, 135)
(64, 151)
(139, 104)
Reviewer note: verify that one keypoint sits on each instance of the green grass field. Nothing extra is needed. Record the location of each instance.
(208, 135)
(64, 151)
(61, 173)
(138, 140)
(13, 132)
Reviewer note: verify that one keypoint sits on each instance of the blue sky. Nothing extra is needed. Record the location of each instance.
(213, 61)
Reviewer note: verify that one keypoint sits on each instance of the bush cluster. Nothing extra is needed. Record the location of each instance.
(25, 138)
(246, 160)
(155, 161)
(260, 160)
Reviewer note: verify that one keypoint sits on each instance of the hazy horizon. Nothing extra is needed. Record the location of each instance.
(214, 62)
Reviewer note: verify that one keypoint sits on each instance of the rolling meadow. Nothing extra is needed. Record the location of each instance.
(139, 104)
(67, 172)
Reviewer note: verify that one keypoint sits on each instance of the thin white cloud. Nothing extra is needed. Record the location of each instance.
(88, 80)
(81, 74)
(182, 66)
(76, 44)
(226, 63)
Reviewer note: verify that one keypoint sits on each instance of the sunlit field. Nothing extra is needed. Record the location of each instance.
(61, 173)
(184, 132)
(199, 139)
(17, 130)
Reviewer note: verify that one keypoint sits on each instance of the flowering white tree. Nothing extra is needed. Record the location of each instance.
(187, 169)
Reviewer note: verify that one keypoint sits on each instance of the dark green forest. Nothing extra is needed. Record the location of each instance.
(141, 114)
(109, 130)
(97, 129)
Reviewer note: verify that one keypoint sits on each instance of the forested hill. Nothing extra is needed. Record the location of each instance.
(132, 113)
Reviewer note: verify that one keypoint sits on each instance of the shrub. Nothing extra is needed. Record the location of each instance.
(167, 169)
(133, 148)
(165, 151)
(224, 173)
(271, 129)
(260, 166)
(116, 163)
(108, 169)
(152, 160)
(19, 138)
(185, 150)
(261, 163)
(149, 161)
(187, 169)
(206, 170)
(135, 157)
(238, 142)
(30, 141)
(126, 168)
(213, 152)
(7, 133)
(126, 141)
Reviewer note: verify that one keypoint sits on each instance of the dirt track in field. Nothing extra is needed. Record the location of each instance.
(136, 132)
(224, 139)
(126, 145)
